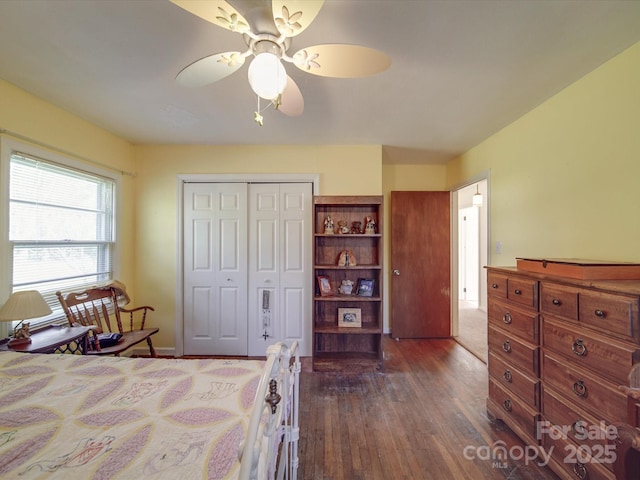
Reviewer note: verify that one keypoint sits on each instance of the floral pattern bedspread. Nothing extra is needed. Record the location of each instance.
(81, 417)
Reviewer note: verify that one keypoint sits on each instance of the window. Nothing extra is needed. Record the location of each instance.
(61, 226)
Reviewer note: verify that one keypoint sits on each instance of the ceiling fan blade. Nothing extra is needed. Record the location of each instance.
(210, 69)
(342, 61)
(291, 101)
(217, 12)
(293, 16)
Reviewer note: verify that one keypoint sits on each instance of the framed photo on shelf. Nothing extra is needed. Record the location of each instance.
(349, 317)
(365, 287)
(324, 284)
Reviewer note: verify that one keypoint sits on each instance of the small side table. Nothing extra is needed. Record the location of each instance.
(54, 338)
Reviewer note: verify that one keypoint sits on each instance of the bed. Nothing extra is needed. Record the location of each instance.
(83, 417)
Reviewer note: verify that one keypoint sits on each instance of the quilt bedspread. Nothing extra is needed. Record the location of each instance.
(80, 417)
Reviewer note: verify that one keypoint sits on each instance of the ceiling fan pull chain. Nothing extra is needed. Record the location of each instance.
(257, 117)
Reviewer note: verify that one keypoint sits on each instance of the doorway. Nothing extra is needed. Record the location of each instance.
(472, 239)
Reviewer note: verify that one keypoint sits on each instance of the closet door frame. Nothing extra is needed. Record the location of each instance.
(181, 179)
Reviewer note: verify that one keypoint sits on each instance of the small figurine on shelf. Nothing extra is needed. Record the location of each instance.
(328, 226)
(369, 226)
(346, 287)
(347, 259)
(356, 227)
(342, 227)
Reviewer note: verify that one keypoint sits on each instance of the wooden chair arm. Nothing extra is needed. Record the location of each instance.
(131, 311)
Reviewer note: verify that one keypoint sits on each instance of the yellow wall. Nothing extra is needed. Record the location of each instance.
(342, 170)
(564, 177)
(27, 116)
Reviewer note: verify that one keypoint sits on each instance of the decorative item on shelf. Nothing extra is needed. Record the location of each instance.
(347, 259)
(328, 226)
(369, 226)
(346, 287)
(365, 287)
(349, 317)
(342, 227)
(324, 284)
(356, 227)
(23, 306)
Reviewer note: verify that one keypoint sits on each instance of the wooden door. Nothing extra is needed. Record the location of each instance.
(420, 264)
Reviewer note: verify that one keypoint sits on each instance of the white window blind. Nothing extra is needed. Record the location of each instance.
(61, 227)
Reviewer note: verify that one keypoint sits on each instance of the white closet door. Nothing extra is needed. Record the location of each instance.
(215, 269)
(279, 265)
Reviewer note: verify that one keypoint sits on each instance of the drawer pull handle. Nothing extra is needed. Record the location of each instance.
(580, 389)
(579, 348)
(556, 302)
(507, 376)
(506, 346)
(494, 285)
(506, 318)
(517, 291)
(600, 313)
(507, 405)
(580, 470)
(579, 427)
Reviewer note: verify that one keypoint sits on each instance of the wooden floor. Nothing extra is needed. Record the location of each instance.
(414, 421)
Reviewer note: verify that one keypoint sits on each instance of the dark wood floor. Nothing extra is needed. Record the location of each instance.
(411, 422)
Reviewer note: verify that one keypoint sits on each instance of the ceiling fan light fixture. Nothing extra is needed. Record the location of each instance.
(267, 76)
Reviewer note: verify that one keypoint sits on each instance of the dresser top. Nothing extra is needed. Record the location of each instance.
(613, 286)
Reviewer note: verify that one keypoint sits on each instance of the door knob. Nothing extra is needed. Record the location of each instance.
(396, 272)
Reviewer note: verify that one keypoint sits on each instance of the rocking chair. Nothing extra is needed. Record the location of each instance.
(98, 307)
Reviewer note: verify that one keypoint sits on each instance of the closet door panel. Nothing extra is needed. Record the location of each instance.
(215, 269)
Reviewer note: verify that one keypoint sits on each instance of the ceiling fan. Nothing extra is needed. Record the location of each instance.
(268, 39)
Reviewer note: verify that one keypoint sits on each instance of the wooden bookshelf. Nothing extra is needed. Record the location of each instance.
(338, 348)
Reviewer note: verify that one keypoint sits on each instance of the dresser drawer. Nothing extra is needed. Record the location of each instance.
(511, 409)
(586, 391)
(572, 462)
(496, 285)
(580, 427)
(515, 352)
(612, 314)
(520, 322)
(559, 300)
(523, 291)
(607, 357)
(527, 388)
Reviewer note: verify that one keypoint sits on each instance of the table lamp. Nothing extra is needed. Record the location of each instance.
(23, 306)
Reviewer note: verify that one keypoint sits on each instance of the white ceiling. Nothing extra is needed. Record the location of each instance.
(461, 70)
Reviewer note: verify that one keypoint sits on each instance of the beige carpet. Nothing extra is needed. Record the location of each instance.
(472, 329)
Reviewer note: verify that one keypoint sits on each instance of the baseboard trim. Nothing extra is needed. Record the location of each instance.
(161, 352)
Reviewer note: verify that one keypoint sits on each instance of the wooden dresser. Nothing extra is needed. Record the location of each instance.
(559, 347)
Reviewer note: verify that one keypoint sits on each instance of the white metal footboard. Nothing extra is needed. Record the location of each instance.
(270, 450)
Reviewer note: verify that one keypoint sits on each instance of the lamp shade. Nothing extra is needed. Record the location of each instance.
(23, 306)
(267, 76)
